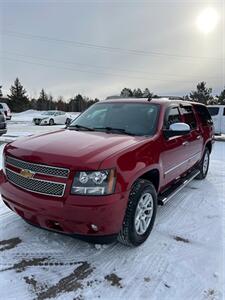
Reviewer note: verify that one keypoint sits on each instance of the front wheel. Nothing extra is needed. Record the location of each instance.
(204, 165)
(140, 214)
(67, 121)
(51, 122)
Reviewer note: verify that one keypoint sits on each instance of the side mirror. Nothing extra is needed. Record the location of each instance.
(177, 129)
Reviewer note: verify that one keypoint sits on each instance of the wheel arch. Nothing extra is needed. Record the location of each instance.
(152, 175)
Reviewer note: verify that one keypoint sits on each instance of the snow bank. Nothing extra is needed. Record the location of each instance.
(28, 115)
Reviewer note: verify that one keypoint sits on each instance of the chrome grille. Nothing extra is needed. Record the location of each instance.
(36, 185)
(37, 168)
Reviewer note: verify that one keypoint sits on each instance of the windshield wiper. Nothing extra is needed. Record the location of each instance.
(110, 129)
(81, 127)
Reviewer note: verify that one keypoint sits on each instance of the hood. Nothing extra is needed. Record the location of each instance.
(70, 148)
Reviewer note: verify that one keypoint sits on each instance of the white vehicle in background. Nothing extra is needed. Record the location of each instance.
(5, 109)
(52, 117)
(217, 113)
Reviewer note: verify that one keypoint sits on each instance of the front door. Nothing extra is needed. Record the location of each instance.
(174, 152)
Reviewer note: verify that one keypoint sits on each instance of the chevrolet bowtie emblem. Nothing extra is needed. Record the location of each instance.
(27, 174)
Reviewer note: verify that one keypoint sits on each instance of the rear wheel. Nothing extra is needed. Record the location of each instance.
(140, 214)
(204, 165)
(51, 122)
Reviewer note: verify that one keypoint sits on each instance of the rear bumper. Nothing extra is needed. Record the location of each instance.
(74, 215)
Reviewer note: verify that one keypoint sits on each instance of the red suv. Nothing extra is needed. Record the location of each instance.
(103, 176)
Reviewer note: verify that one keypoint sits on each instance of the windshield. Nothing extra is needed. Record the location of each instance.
(131, 118)
(48, 113)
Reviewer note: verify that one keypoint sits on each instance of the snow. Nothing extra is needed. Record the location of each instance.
(182, 259)
(21, 125)
(28, 115)
(25, 116)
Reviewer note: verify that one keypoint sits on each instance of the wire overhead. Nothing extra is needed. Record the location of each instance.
(104, 68)
(104, 47)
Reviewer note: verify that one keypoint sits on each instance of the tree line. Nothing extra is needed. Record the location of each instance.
(18, 99)
(202, 94)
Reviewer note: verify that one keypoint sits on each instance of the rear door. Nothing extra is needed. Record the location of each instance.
(194, 140)
(174, 154)
(57, 117)
(61, 117)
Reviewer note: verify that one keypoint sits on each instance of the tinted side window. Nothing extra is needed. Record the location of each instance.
(173, 116)
(213, 111)
(224, 111)
(1, 106)
(189, 116)
(203, 114)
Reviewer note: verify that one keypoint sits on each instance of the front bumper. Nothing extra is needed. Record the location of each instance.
(3, 131)
(73, 215)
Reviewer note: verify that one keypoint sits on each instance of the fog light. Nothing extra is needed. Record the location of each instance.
(94, 227)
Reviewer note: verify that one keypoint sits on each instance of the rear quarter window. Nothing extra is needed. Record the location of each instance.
(213, 111)
(203, 114)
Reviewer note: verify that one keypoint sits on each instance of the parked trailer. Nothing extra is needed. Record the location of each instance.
(217, 113)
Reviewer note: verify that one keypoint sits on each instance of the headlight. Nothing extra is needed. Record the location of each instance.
(94, 182)
(3, 161)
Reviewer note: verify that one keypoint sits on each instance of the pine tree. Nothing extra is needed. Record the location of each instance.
(18, 99)
(42, 102)
(137, 93)
(202, 94)
(126, 93)
(81, 103)
(60, 104)
(51, 103)
(221, 98)
(147, 94)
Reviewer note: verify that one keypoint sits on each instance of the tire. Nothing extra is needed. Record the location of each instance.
(204, 165)
(51, 122)
(129, 234)
(67, 121)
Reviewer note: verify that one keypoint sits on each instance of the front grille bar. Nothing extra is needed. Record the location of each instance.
(38, 168)
(38, 186)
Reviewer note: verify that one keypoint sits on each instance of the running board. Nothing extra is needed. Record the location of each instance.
(171, 192)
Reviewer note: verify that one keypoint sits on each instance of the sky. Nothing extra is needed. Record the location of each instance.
(98, 47)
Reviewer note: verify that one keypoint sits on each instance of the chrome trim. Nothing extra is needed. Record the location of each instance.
(36, 164)
(184, 184)
(183, 162)
(33, 179)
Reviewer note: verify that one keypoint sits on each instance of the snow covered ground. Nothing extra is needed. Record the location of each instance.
(21, 125)
(182, 259)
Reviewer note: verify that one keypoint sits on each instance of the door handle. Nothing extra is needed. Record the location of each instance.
(198, 137)
(185, 143)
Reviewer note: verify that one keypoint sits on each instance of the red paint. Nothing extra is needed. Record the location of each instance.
(131, 156)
